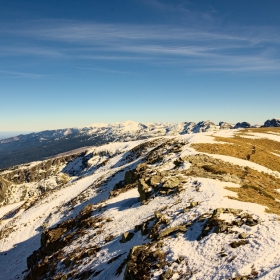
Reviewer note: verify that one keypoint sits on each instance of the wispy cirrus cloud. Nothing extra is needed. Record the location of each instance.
(21, 74)
(231, 48)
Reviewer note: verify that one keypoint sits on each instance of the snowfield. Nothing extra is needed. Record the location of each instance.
(187, 223)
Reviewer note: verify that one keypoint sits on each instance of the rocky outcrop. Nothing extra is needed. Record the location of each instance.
(3, 188)
(217, 225)
(140, 261)
(126, 237)
(272, 123)
(36, 172)
(242, 125)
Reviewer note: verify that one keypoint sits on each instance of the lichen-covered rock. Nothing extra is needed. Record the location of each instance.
(242, 235)
(217, 225)
(236, 244)
(141, 260)
(144, 190)
(172, 183)
(155, 180)
(167, 275)
(172, 230)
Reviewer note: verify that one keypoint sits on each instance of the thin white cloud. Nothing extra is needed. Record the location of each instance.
(31, 50)
(236, 47)
(107, 70)
(21, 74)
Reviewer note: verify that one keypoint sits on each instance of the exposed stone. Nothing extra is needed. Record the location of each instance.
(50, 236)
(167, 275)
(236, 244)
(178, 162)
(140, 261)
(126, 237)
(193, 204)
(217, 225)
(144, 190)
(243, 235)
(155, 180)
(141, 167)
(172, 230)
(218, 211)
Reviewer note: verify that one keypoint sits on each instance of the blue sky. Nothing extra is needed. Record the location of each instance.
(74, 63)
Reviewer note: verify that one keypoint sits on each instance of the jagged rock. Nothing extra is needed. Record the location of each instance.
(217, 225)
(140, 261)
(172, 183)
(155, 180)
(171, 230)
(193, 204)
(242, 125)
(243, 235)
(90, 252)
(126, 237)
(236, 244)
(158, 215)
(251, 222)
(141, 167)
(218, 211)
(32, 259)
(52, 235)
(272, 123)
(178, 162)
(144, 190)
(167, 275)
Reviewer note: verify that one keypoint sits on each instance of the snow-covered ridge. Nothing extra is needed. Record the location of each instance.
(146, 209)
(18, 150)
(131, 130)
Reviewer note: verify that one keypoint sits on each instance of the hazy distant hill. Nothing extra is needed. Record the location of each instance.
(37, 146)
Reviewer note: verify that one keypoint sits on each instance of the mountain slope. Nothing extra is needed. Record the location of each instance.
(40, 145)
(160, 208)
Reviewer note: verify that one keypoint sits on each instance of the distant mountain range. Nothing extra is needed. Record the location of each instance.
(40, 145)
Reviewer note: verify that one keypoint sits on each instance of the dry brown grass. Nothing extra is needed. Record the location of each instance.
(273, 130)
(256, 187)
(242, 148)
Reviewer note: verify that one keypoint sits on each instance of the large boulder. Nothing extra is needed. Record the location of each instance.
(144, 190)
(272, 123)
